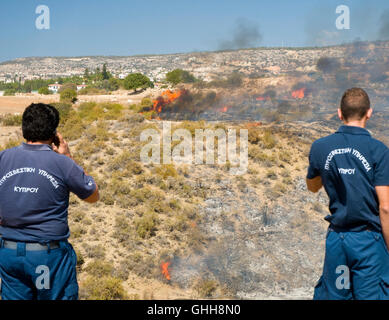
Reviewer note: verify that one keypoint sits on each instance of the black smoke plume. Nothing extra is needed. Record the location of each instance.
(245, 35)
(384, 28)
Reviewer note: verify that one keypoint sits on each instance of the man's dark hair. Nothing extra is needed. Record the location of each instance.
(39, 122)
(355, 104)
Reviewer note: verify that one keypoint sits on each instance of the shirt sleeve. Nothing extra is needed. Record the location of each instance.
(79, 183)
(313, 169)
(381, 172)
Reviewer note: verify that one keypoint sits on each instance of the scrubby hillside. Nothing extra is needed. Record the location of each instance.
(192, 231)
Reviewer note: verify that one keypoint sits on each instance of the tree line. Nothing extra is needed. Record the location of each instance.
(96, 81)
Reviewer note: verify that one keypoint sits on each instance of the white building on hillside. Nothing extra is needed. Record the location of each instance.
(81, 86)
(54, 87)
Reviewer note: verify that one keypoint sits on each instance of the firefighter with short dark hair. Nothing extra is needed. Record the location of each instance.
(353, 167)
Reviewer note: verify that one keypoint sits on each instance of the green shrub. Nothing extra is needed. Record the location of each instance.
(11, 120)
(87, 149)
(76, 215)
(91, 91)
(166, 170)
(142, 265)
(119, 187)
(98, 132)
(68, 96)
(96, 252)
(99, 268)
(174, 204)
(146, 226)
(112, 111)
(123, 271)
(192, 126)
(285, 156)
(145, 194)
(206, 288)
(271, 174)
(77, 231)
(9, 92)
(92, 111)
(105, 288)
(136, 107)
(254, 135)
(146, 105)
(268, 140)
(179, 76)
(80, 260)
(179, 223)
(122, 229)
(108, 199)
(73, 128)
(63, 109)
(279, 188)
(120, 161)
(44, 90)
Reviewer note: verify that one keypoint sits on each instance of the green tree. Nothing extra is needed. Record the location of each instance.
(68, 86)
(68, 96)
(113, 84)
(105, 74)
(179, 76)
(86, 73)
(135, 81)
(9, 92)
(44, 90)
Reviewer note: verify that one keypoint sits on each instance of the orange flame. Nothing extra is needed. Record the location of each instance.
(253, 124)
(224, 109)
(263, 98)
(164, 99)
(299, 94)
(165, 269)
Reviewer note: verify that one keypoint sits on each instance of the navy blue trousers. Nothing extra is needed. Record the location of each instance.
(38, 275)
(356, 267)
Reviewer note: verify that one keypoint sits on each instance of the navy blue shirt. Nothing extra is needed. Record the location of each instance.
(35, 183)
(351, 164)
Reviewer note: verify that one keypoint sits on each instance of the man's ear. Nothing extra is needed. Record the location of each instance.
(340, 115)
(369, 114)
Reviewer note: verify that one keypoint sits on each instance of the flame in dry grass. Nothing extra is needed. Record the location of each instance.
(165, 270)
(299, 94)
(165, 99)
(261, 98)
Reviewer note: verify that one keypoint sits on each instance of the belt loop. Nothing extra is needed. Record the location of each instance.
(48, 247)
(21, 249)
(1, 242)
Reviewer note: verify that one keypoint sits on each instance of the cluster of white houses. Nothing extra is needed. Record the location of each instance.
(56, 86)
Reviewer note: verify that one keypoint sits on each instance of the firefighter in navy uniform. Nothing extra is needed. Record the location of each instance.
(354, 170)
(36, 260)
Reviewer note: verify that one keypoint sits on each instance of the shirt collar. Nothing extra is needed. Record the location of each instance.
(36, 147)
(353, 130)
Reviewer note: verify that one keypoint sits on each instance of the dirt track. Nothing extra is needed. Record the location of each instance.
(17, 104)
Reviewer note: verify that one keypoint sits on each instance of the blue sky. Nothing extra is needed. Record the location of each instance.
(129, 27)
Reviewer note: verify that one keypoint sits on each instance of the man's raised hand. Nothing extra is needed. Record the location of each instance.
(63, 147)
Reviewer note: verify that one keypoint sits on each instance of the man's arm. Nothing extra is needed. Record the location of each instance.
(94, 197)
(383, 200)
(314, 184)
